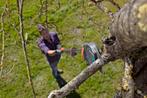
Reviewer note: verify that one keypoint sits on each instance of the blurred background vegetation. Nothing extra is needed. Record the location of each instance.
(76, 22)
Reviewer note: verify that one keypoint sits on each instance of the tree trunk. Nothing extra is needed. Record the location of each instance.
(138, 76)
(23, 42)
(129, 27)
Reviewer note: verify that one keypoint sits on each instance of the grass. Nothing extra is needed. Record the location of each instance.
(76, 22)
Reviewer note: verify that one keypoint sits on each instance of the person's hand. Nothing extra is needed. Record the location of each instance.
(59, 50)
(62, 49)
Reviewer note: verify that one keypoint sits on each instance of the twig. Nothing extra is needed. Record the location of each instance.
(46, 12)
(115, 4)
(3, 38)
(6, 74)
(59, 4)
(21, 32)
(95, 23)
(40, 9)
(100, 5)
(14, 26)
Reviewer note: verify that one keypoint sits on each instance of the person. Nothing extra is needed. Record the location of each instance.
(50, 46)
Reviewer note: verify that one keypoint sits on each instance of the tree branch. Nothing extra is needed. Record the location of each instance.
(21, 32)
(115, 4)
(59, 4)
(3, 37)
(46, 12)
(99, 4)
(78, 80)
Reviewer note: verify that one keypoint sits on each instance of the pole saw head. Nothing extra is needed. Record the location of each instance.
(90, 52)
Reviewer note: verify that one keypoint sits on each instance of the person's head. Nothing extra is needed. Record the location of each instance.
(43, 32)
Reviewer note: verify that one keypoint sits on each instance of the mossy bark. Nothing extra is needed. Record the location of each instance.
(129, 28)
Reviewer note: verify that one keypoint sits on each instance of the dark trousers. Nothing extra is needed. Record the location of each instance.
(61, 82)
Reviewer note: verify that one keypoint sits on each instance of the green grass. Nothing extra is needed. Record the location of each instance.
(76, 22)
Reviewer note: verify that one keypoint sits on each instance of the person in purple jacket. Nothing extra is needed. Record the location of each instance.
(50, 46)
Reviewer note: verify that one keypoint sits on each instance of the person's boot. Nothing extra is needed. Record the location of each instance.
(61, 82)
(60, 71)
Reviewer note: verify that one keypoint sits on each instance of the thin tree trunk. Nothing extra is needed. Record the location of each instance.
(46, 13)
(3, 38)
(21, 32)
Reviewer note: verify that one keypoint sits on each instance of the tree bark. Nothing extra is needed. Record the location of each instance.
(128, 81)
(129, 27)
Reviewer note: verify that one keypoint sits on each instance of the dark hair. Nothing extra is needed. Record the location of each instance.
(40, 27)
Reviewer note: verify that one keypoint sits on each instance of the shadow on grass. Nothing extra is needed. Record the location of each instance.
(73, 94)
(61, 82)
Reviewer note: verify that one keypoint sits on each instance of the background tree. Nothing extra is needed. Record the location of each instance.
(21, 32)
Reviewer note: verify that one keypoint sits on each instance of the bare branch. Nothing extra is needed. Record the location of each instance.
(40, 9)
(99, 4)
(8, 72)
(21, 32)
(78, 80)
(14, 26)
(115, 4)
(46, 12)
(3, 37)
(59, 4)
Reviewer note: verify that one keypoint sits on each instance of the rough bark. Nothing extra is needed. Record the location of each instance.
(128, 81)
(129, 27)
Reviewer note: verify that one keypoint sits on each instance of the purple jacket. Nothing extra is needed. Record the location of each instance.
(45, 46)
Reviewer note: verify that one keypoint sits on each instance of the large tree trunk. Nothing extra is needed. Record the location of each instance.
(127, 41)
(129, 27)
